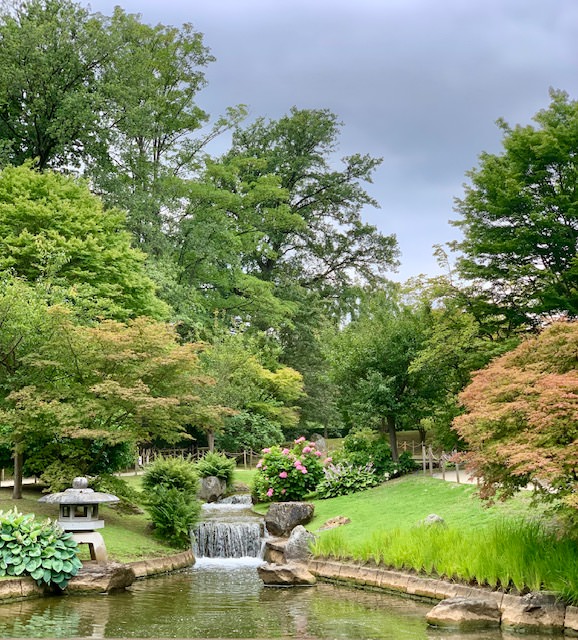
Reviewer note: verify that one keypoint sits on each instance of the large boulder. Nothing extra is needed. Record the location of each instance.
(211, 489)
(465, 614)
(297, 547)
(101, 578)
(286, 575)
(533, 613)
(282, 517)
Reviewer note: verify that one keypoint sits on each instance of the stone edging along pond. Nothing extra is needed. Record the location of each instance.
(94, 578)
(535, 612)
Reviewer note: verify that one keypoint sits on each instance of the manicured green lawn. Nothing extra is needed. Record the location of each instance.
(406, 501)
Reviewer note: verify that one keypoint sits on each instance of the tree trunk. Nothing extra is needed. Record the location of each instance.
(392, 436)
(211, 440)
(18, 461)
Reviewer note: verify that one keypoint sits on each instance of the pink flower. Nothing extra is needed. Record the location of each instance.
(299, 440)
(259, 464)
(285, 451)
(307, 449)
(327, 460)
(297, 464)
(318, 454)
(303, 470)
(270, 491)
(283, 474)
(266, 450)
(312, 445)
(283, 490)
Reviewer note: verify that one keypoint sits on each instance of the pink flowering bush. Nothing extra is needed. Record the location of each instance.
(288, 474)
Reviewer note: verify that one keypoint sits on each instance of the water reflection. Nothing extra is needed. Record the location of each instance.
(211, 601)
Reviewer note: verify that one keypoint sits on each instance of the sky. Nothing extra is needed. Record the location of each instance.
(419, 83)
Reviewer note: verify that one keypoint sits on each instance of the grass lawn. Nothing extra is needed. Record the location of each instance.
(404, 502)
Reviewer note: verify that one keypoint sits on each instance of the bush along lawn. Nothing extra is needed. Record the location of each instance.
(476, 545)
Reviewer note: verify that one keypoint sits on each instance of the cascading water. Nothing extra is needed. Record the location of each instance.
(230, 529)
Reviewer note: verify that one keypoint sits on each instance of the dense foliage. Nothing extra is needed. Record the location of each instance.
(521, 420)
(37, 549)
(520, 222)
(363, 461)
(218, 465)
(170, 488)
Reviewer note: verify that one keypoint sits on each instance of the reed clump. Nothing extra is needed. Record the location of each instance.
(508, 554)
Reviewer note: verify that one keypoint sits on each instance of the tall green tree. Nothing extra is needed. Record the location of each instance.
(52, 229)
(51, 53)
(371, 360)
(520, 220)
(111, 97)
(307, 227)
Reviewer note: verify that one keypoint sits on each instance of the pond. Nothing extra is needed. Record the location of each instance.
(225, 599)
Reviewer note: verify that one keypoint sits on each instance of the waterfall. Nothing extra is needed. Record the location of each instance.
(229, 530)
(228, 540)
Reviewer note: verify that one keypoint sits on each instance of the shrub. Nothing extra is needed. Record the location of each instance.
(344, 478)
(58, 476)
(174, 513)
(171, 486)
(248, 431)
(406, 463)
(38, 549)
(175, 473)
(364, 446)
(129, 498)
(217, 464)
(288, 474)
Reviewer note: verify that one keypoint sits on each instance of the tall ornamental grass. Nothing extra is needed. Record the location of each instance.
(507, 554)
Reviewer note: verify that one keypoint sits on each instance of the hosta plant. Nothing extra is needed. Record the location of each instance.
(37, 549)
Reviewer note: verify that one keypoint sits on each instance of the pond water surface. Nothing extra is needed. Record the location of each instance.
(225, 599)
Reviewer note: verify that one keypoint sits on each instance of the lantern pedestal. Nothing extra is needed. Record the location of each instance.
(95, 544)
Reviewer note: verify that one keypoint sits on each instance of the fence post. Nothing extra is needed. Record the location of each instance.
(430, 457)
(443, 465)
(423, 458)
(457, 473)
(244, 458)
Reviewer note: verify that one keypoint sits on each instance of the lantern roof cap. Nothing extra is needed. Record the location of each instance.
(79, 494)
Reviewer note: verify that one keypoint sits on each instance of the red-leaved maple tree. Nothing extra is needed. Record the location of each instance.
(521, 423)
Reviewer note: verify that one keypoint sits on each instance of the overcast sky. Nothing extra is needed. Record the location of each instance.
(419, 83)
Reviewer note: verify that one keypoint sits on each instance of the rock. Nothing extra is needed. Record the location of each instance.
(533, 613)
(465, 614)
(285, 575)
(282, 517)
(297, 547)
(211, 489)
(433, 519)
(338, 521)
(320, 442)
(101, 578)
(274, 551)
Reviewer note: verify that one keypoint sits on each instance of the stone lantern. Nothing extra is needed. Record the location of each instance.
(79, 514)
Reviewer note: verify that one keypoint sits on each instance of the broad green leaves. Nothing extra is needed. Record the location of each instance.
(38, 549)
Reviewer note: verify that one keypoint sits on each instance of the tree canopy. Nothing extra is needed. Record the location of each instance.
(521, 420)
(520, 220)
(53, 230)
